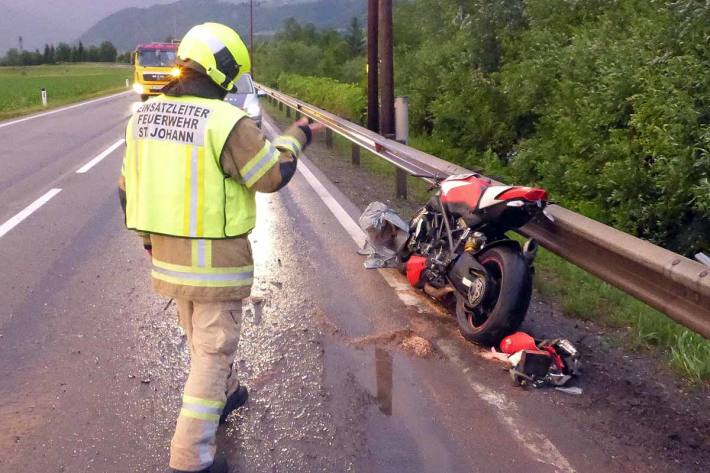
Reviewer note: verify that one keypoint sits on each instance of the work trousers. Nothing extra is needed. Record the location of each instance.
(212, 330)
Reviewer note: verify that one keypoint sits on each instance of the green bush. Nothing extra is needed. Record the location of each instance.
(345, 100)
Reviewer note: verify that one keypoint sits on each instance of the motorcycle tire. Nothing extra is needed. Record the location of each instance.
(506, 301)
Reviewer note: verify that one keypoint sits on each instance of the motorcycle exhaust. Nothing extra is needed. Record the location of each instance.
(437, 293)
(530, 250)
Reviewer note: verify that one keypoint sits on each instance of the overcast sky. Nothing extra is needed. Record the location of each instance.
(51, 21)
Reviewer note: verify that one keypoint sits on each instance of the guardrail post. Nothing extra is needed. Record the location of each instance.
(355, 155)
(281, 107)
(288, 112)
(298, 113)
(329, 137)
(401, 110)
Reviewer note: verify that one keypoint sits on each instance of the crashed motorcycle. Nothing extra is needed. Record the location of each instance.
(456, 250)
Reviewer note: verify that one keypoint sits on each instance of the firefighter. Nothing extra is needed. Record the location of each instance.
(192, 166)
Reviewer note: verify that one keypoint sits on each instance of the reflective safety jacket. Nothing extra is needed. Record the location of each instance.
(174, 182)
(192, 197)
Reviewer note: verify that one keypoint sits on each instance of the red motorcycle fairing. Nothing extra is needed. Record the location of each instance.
(531, 194)
(464, 189)
(468, 192)
(415, 266)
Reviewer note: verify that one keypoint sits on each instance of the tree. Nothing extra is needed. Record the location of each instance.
(63, 53)
(107, 52)
(12, 58)
(355, 38)
(78, 53)
(47, 56)
(92, 54)
(124, 58)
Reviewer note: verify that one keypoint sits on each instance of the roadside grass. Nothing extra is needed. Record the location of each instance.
(581, 295)
(65, 83)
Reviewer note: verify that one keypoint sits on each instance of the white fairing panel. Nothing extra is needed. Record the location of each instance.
(447, 186)
(489, 196)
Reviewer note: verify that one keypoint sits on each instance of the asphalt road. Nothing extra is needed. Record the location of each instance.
(349, 370)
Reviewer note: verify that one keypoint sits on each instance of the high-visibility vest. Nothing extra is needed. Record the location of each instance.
(175, 184)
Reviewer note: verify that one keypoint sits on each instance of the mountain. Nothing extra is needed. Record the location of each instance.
(132, 26)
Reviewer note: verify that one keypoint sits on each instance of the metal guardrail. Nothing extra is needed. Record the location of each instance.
(677, 286)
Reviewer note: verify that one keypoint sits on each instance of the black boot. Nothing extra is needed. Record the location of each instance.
(237, 399)
(218, 466)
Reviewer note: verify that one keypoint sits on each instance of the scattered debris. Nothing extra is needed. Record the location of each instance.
(576, 390)
(168, 304)
(552, 362)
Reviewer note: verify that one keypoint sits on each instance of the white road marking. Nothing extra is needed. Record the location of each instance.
(541, 448)
(62, 109)
(27, 211)
(100, 157)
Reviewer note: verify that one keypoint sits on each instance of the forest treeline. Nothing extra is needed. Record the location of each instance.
(606, 103)
(63, 53)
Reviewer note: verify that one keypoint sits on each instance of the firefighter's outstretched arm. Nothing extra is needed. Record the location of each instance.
(262, 165)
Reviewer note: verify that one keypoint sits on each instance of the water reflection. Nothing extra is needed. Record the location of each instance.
(383, 373)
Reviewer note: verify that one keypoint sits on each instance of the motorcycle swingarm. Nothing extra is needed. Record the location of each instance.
(464, 267)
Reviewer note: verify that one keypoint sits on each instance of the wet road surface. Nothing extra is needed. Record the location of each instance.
(348, 369)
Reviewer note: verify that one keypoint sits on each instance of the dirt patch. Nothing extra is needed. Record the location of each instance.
(417, 346)
(404, 340)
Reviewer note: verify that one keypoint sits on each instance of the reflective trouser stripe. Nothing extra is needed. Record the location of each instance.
(202, 409)
(259, 164)
(204, 277)
(193, 205)
(289, 143)
(204, 402)
(202, 253)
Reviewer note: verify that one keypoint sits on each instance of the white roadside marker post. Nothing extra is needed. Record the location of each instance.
(127, 84)
(401, 124)
(43, 93)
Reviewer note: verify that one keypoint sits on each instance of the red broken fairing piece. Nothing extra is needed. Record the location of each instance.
(556, 358)
(517, 342)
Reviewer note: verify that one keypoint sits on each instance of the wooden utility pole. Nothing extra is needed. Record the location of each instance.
(373, 108)
(386, 70)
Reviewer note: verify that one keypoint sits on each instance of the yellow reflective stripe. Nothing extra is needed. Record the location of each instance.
(202, 402)
(137, 172)
(195, 253)
(255, 160)
(290, 143)
(203, 276)
(199, 415)
(184, 280)
(206, 270)
(208, 254)
(201, 253)
(187, 194)
(200, 191)
(259, 164)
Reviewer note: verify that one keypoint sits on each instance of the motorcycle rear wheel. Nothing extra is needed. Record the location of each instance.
(506, 302)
